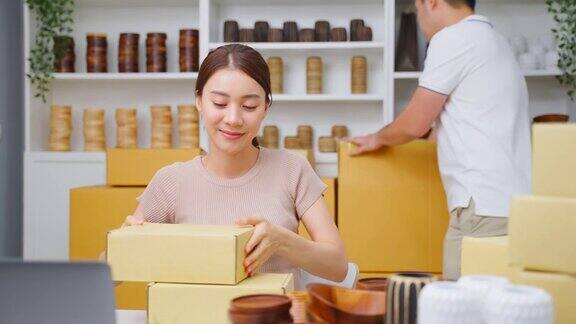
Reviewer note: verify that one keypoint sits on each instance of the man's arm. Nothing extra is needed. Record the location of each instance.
(414, 122)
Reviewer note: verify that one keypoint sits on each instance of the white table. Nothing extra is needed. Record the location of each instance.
(130, 316)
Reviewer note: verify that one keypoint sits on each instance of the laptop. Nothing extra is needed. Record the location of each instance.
(56, 293)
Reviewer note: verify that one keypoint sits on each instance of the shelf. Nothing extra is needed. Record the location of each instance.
(328, 97)
(135, 3)
(407, 75)
(310, 46)
(72, 156)
(527, 73)
(126, 76)
(542, 73)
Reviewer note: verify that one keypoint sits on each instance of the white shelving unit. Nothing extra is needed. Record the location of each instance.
(50, 175)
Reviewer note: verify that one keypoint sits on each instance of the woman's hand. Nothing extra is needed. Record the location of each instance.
(132, 220)
(266, 241)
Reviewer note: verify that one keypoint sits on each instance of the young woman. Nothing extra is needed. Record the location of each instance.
(239, 183)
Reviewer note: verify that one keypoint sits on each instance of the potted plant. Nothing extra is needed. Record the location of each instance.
(53, 19)
(564, 13)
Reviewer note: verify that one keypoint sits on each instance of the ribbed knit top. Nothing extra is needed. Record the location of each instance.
(280, 187)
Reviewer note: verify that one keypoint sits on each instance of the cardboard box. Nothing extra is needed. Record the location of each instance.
(562, 287)
(392, 211)
(189, 303)
(178, 253)
(485, 256)
(542, 233)
(554, 160)
(136, 167)
(330, 198)
(93, 212)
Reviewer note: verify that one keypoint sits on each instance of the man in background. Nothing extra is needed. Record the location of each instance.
(473, 89)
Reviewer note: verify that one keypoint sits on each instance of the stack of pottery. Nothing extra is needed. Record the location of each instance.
(126, 128)
(314, 75)
(64, 57)
(156, 52)
(322, 31)
(292, 143)
(161, 127)
(128, 52)
(60, 128)
(408, 285)
(358, 79)
(305, 135)
(189, 50)
(188, 126)
(97, 52)
(271, 137)
(261, 308)
(94, 130)
(276, 67)
(231, 31)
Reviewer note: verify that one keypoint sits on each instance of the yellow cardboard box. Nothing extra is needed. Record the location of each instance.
(554, 160)
(330, 198)
(485, 256)
(392, 211)
(179, 253)
(136, 167)
(541, 233)
(189, 303)
(562, 288)
(93, 212)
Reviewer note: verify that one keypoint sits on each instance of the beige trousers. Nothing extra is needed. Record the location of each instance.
(465, 222)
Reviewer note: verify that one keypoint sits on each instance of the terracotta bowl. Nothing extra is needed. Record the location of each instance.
(260, 308)
(374, 284)
(339, 305)
(551, 118)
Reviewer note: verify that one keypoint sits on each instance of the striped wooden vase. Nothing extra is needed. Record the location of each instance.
(402, 296)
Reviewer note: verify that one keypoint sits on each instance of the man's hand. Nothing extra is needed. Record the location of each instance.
(364, 144)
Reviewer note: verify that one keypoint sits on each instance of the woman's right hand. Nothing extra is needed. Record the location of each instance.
(132, 220)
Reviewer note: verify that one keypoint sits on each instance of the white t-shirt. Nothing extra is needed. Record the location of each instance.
(484, 149)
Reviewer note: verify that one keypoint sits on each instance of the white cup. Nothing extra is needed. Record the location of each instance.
(548, 41)
(528, 61)
(519, 44)
(539, 51)
(551, 60)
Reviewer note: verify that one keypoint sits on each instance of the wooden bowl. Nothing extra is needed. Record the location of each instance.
(338, 305)
(551, 118)
(374, 284)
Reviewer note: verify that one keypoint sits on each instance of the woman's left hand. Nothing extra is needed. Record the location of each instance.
(266, 240)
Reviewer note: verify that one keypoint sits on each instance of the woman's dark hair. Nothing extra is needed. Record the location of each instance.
(236, 56)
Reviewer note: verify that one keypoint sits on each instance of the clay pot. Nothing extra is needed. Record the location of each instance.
(338, 305)
(408, 285)
(261, 308)
(338, 34)
(375, 284)
(275, 35)
(231, 31)
(322, 31)
(261, 31)
(290, 31)
(551, 118)
(306, 35)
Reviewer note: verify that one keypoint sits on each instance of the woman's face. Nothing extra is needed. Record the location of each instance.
(233, 106)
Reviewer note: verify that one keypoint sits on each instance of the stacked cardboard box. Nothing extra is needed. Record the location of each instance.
(392, 212)
(541, 249)
(95, 210)
(194, 270)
